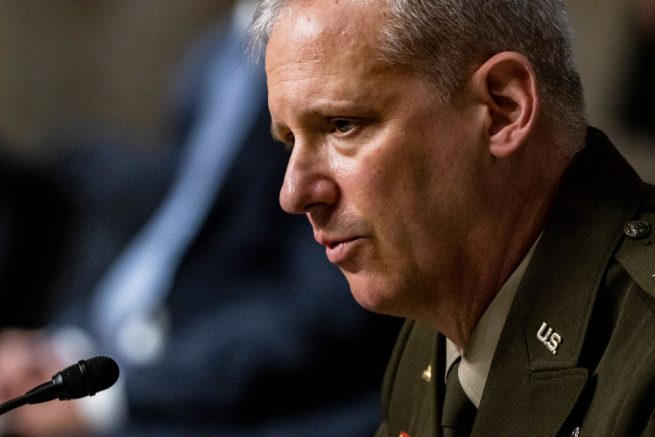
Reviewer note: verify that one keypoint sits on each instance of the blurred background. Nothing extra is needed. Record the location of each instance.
(615, 52)
(69, 61)
(89, 126)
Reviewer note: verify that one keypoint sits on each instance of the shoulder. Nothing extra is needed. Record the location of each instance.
(622, 331)
(636, 253)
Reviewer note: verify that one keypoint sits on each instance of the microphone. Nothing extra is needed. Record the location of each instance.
(85, 378)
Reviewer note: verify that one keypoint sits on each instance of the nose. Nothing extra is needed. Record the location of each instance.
(308, 183)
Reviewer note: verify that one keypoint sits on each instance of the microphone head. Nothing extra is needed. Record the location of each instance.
(88, 377)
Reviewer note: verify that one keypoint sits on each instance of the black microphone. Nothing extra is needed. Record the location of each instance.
(85, 378)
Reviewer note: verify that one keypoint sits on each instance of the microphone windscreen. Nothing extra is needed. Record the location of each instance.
(88, 377)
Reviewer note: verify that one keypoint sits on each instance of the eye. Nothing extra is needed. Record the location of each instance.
(343, 126)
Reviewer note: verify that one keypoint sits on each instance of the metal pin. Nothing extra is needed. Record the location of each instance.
(427, 373)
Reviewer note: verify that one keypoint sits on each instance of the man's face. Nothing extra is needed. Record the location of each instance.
(384, 173)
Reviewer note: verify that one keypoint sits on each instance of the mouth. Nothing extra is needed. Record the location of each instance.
(339, 251)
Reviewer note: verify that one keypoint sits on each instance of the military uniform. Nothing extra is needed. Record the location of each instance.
(577, 353)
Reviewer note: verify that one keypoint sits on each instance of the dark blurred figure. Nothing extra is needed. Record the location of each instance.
(640, 94)
(249, 331)
(34, 216)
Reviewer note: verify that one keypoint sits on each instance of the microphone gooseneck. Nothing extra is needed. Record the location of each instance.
(85, 378)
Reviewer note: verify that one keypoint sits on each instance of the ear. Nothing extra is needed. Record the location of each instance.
(507, 86)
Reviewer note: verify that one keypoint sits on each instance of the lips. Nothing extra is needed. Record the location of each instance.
(339, 251)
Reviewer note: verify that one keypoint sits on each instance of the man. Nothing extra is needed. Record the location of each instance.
(440, 152)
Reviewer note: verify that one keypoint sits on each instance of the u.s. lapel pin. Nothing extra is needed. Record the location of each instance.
(549, 338)
(427, 373)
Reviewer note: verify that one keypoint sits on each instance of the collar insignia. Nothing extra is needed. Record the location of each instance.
(549, 338)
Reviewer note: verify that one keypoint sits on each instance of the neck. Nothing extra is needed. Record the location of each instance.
(496, 247)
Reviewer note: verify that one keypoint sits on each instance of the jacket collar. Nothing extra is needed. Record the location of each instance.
(534, 383)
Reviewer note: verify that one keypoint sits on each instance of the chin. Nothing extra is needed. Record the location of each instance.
(375, 294)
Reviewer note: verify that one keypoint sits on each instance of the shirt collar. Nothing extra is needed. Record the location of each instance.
(476, 358)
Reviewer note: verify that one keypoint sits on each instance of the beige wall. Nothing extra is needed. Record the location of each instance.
(603, 49)
(66, 60)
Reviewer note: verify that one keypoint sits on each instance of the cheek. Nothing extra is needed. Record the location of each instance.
(393, 190)
(404, 178)
(419, 201)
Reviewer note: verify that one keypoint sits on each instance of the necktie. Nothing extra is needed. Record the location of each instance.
(458, 411)
(128, 300)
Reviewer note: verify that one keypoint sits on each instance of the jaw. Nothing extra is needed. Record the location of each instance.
(384, 291)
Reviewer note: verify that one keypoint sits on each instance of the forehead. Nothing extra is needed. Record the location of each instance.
(315, 30)
(322, 60)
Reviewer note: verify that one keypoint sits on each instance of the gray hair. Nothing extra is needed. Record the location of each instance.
(442, 39)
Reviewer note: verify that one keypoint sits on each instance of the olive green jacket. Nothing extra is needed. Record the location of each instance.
(577, 352)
